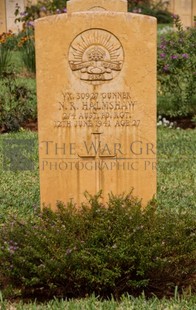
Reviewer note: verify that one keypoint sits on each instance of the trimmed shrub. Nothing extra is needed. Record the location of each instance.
(107, 250)
(17, 103)
(177, 72)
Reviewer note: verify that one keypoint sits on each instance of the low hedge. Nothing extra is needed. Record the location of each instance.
(107, 250)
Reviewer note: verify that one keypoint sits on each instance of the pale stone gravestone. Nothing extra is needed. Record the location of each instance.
(186, 9)
(2, 17)
(10, 14)
(96, 88)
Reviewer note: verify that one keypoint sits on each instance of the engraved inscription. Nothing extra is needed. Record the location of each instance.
(114, 109)
(96, 56)
(97, 156)
(97, 8)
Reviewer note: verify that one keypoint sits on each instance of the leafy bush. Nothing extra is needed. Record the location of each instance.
(163, 16)
(8, 43)
(9, 40)
(148, 7)
(5, 52)
(26, 37)
(114, 249)
(17, 103)
(42, 8)
(26, 43)
(26, 46)
(177, 72)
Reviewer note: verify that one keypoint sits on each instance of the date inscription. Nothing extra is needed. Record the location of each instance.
(106, 109)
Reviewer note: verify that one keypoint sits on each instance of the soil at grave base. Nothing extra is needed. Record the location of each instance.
(31, 125)
(183, 122)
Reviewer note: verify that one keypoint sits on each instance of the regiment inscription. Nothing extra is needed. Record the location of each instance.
(96, 109)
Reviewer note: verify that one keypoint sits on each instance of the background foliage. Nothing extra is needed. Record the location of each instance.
(26, 46)
(41, 9)
(177, 72)
(5, 51)
(157, 9)
(18, 103)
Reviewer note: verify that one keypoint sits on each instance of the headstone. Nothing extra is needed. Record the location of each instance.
(186, 9)
(101, 5)
(194, 13)
(10, 10)
(2, 17)
(96, 88)
(30, 2)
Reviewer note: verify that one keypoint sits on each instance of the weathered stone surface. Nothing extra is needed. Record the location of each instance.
(10, 14)
(96, 87)
(2, 17)
(186, 9)
(101, 5)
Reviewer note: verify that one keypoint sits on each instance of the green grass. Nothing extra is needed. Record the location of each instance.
(19, 191)
(177, 169)
(30, 83)
(126, 303)
(17, 64)
(16, 61)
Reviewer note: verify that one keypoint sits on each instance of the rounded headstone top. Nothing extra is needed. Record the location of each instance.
(91, 5)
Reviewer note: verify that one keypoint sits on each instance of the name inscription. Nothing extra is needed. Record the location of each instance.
(113, 109)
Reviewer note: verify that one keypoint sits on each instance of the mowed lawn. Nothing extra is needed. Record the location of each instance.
(176, 189)
(126, 303)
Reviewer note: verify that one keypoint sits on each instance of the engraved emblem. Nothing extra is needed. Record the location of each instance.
(97, 8)
(96, 56)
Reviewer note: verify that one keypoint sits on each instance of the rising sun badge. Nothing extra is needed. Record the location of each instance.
(96, 56)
